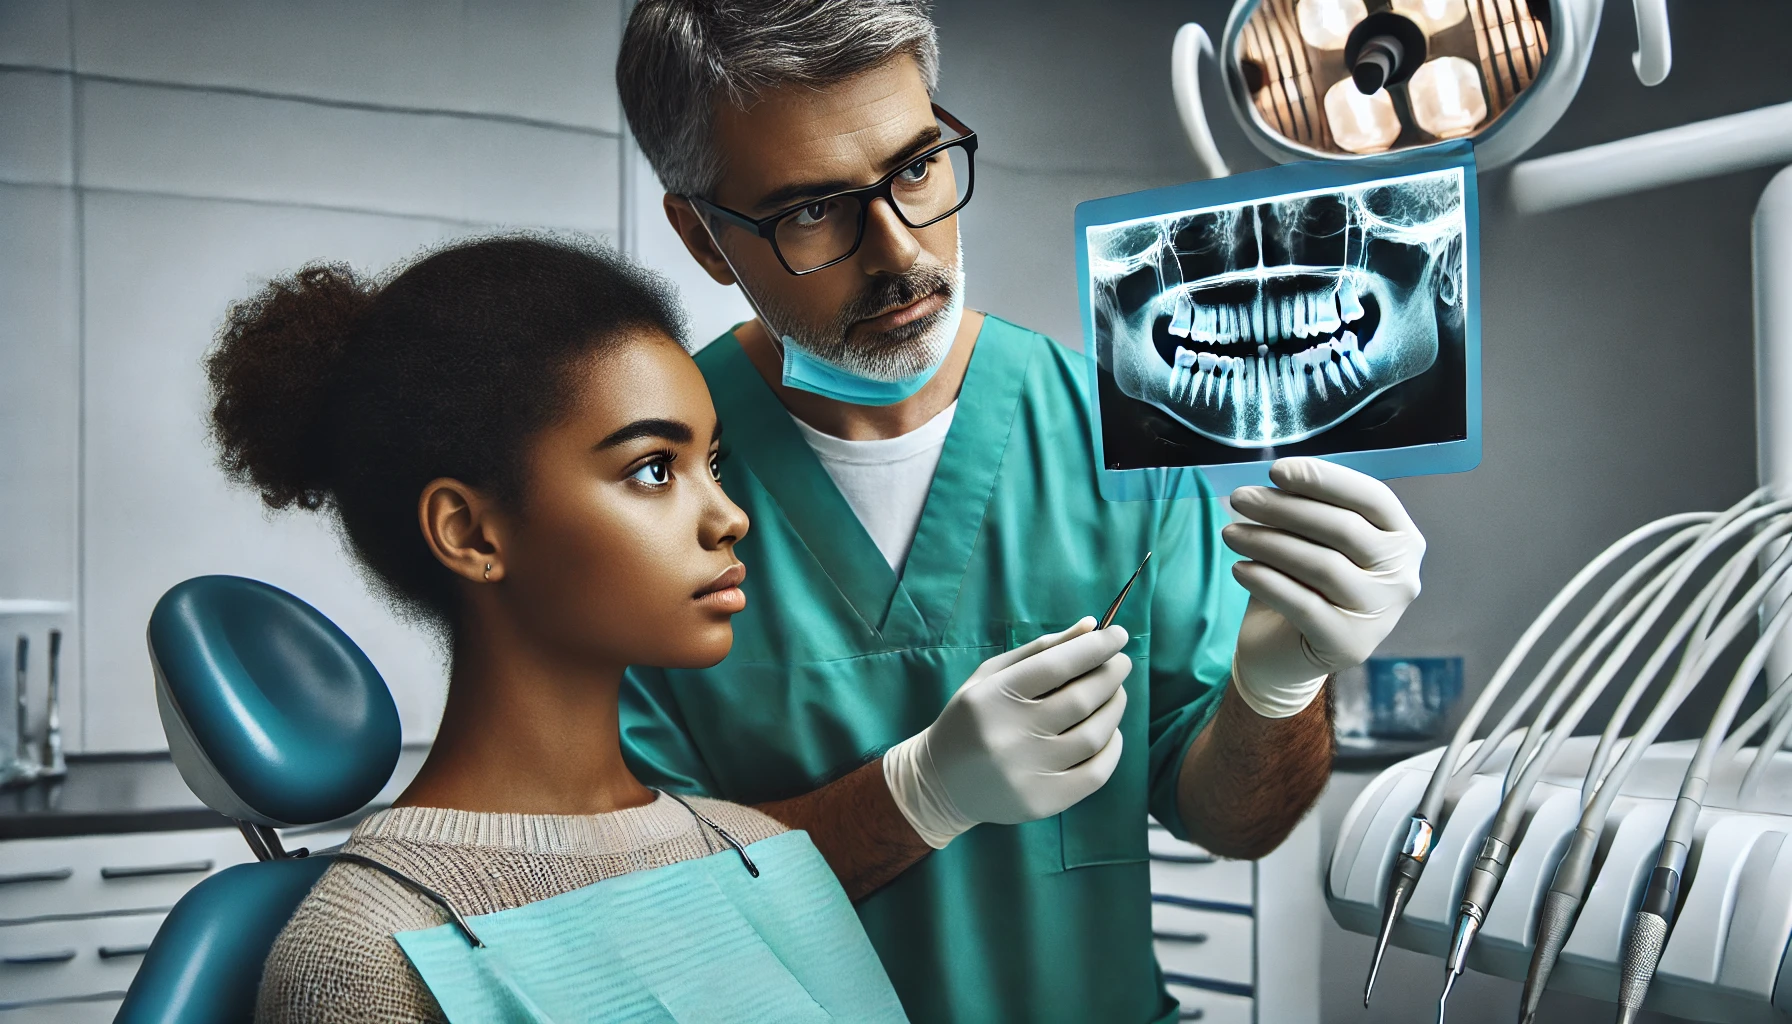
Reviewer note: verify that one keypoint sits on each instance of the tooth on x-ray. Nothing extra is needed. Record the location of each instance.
(1273, 321)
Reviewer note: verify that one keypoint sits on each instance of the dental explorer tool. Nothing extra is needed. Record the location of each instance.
(1107, 619)
(1490, 865)
(1421, 833)
(55, 764)
(1654, 918)
(1561, 905)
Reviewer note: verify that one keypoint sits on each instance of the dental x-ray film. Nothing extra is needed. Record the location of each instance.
(1327, 309)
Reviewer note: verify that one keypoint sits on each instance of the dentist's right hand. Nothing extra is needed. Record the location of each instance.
(1030, 733)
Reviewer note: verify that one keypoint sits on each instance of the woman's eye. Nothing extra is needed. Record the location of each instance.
(715, 468)
(654, 473)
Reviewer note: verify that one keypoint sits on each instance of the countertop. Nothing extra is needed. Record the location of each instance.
(118, 793)
(106, 794)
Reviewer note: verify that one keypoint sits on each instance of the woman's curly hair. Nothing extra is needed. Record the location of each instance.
(334, 391)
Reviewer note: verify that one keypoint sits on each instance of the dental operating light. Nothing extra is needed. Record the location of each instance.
(1501, 72)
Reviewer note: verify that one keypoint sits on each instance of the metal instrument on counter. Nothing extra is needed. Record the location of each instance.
(20, 769)
(55, 766)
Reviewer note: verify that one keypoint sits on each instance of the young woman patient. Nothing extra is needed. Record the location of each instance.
(521, 455)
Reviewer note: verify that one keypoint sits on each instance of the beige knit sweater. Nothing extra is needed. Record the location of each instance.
(336, 959)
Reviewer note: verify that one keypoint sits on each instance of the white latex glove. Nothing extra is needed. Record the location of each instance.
(1031, 732)
(1333, 564)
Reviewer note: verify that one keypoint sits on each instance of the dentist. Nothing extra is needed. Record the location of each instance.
(915, 680)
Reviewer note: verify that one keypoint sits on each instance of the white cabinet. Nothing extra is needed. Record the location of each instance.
(77, 914)
(1238, 940)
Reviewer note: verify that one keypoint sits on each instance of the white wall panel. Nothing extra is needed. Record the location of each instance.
(549, 60)
(159, 274)
(192, 143)
(1017, 233)
(39, 423)
(39, 392)
(710, 308)
(35, 33)
(34, 127)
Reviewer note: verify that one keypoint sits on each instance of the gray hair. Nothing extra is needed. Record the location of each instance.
(681, 58)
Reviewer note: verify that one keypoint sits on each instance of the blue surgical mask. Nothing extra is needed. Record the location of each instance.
(807, 372)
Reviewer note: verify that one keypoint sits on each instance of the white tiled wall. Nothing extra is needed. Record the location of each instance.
(156, 161)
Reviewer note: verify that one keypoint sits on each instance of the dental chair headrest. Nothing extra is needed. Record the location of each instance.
(273, 715)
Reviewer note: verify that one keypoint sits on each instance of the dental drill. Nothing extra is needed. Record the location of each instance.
(1573, 873)
(1421, 832)
(1490, 866)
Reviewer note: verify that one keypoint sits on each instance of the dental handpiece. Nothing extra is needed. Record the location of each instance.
(1421, 833)
(1647, 937)
(1490, 866)
(1561, 904)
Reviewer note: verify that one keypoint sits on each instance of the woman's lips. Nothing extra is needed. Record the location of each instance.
(723, 594)
(926, 305)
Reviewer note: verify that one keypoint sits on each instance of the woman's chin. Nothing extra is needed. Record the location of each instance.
(705, 645)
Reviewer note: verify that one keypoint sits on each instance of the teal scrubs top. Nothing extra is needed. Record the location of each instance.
(836, 659)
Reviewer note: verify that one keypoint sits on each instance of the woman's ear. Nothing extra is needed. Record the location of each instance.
(690, 227)
(463, 529)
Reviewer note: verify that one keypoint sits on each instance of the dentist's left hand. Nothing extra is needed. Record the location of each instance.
(1333, 562)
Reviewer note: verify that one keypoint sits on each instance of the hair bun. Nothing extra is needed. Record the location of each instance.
(272, 376)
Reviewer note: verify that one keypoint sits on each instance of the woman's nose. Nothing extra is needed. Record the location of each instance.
(724, 522)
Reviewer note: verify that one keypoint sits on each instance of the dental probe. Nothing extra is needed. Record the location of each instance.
(1649, 929)
(1561, 905)
(1107, 618)
(1420, 835)
(1496, 848)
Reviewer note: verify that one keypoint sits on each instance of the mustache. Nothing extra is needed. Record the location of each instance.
(897, 290)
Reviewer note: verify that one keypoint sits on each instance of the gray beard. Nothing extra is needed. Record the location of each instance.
(899, 354)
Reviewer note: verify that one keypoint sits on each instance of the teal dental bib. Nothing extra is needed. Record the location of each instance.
(697, 941)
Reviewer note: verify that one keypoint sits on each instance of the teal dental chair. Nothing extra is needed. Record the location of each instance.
(275, 719)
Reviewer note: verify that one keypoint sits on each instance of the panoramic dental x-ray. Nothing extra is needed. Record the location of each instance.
(1329, 319)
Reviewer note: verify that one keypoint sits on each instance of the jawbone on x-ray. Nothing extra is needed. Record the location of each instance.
(1268, 323)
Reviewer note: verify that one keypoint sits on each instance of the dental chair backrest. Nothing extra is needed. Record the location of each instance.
(275, 719)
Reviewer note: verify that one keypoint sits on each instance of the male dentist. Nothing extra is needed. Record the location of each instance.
(914, 680)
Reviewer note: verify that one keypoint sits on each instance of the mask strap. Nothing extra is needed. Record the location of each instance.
(752, 868)
(420, 889)
(741, 283)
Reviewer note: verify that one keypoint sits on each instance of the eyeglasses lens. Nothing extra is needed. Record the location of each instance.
(924, 192)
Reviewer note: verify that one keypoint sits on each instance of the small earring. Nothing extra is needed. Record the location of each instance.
(488, 571)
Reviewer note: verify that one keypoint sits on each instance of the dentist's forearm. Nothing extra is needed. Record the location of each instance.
(858, 828)
(1248, 780)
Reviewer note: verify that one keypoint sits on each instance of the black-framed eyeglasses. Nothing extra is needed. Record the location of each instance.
(818, 233)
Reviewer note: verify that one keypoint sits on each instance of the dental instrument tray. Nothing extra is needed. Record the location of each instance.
(1326, 308)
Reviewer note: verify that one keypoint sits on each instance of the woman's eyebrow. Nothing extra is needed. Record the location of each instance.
(668, 430)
